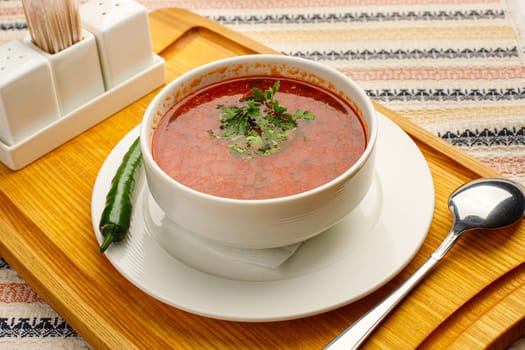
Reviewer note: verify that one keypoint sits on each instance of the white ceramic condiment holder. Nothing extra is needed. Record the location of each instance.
(27, 99)
(124, 48)
(46, 100)
(75, 71)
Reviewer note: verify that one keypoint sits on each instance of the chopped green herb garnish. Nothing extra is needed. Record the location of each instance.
(259, 124)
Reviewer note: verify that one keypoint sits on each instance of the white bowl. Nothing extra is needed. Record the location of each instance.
(260, 223)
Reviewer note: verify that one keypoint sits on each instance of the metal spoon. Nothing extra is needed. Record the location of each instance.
(486, 203)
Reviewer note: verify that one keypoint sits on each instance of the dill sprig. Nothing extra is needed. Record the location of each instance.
(259, 124)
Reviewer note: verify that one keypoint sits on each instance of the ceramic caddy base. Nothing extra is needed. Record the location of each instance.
(26, 151)
(48, 99)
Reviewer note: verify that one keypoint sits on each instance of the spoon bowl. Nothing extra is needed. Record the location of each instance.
(488, 203)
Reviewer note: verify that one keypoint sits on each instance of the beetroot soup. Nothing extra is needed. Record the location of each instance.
(219, 141)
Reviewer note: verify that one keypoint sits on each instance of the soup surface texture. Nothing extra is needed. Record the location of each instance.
(316, 152)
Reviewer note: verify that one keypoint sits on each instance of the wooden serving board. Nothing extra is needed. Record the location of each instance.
(474, 299)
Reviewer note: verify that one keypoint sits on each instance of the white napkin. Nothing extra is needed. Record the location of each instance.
(194, 249)
(270, 258)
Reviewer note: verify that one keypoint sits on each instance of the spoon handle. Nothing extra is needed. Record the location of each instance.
(356, 334)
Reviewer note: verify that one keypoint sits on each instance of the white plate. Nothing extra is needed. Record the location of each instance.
(349, 261)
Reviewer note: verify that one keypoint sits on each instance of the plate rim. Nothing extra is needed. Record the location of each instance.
(280, 314)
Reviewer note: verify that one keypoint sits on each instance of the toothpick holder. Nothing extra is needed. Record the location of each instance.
(46, 100)
(75, 71)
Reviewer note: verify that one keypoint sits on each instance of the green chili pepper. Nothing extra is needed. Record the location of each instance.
(116, 217)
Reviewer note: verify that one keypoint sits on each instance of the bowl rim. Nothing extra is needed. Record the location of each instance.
(150, 113)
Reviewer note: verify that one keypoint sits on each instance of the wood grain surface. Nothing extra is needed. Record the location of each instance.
(475, 299)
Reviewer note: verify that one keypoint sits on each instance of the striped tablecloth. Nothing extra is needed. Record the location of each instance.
(455, 67)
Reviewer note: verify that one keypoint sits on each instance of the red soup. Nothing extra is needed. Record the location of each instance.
(192, 144)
